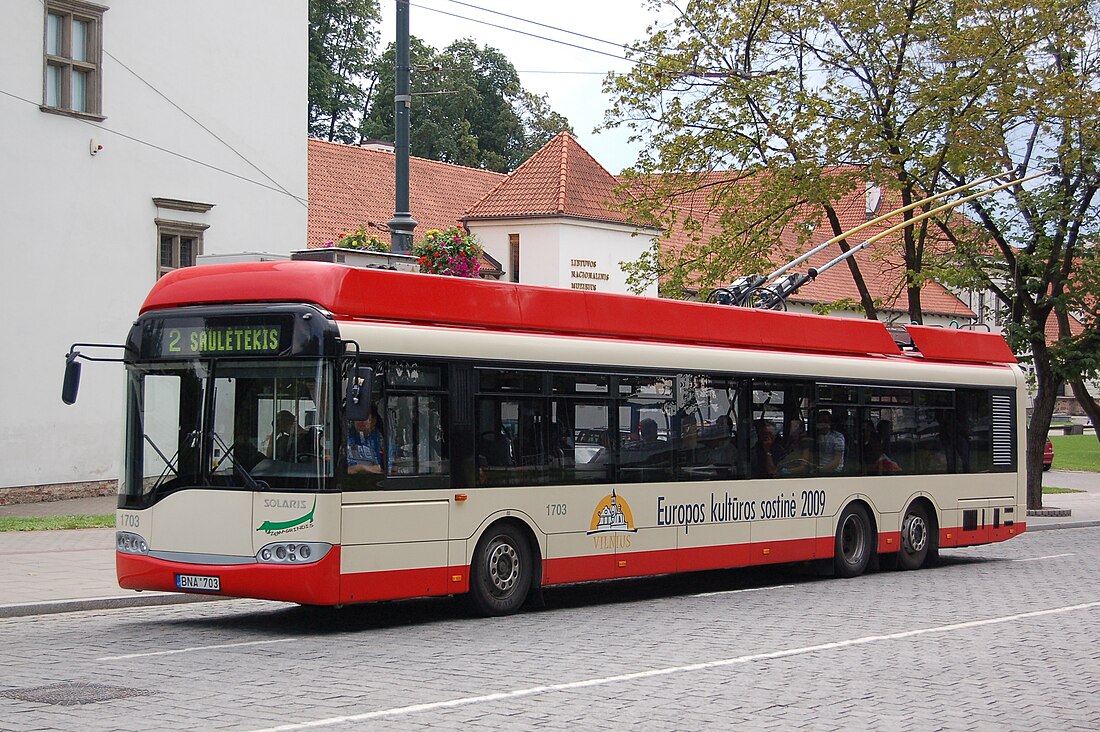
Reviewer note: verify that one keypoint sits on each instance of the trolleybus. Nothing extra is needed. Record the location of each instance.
(327, 435)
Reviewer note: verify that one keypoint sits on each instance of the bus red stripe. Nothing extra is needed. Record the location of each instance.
(322, 584)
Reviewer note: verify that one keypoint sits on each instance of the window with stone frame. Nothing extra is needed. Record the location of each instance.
(73, 58)
(180, 244)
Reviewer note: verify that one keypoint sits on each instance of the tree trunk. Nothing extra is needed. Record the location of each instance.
(1039, 424)
(916, 312)
(865, 299)
(1092, 409)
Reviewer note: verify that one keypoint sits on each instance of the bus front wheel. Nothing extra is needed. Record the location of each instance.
(501, 572)
(852, 552)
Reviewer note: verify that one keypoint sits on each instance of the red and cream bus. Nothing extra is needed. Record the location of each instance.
(531, 436)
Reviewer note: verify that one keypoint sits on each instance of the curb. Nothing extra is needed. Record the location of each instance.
(49, 607)
(1062, 525)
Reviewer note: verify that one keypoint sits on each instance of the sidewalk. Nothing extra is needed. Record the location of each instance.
(60, 571)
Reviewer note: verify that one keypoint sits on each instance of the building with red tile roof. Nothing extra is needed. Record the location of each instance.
(558, 220)
(560, 180)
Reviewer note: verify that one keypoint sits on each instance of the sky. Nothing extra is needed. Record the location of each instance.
(542, 64)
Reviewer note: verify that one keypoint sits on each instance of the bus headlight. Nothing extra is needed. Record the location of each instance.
(293, 552)
(128, 542)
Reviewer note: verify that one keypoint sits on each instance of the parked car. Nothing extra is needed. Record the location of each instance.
(1048, 455)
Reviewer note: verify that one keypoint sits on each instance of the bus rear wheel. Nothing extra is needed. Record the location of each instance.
(501, 572)
(852, 552)
(916, 538)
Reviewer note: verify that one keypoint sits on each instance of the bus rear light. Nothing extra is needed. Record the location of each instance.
(293, 552)
(128, 542)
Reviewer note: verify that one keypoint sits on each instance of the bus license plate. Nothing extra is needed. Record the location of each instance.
(198, 582)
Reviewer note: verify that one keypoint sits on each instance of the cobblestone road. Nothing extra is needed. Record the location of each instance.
(999, 637)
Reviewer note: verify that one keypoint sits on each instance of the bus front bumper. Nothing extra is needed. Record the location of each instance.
(317, 583)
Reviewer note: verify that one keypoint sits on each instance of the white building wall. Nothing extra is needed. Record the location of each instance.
(79, 233)
(566, 252)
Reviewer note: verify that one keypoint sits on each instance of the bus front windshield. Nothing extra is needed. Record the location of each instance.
(252, 425)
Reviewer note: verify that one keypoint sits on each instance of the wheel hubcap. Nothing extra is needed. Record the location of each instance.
(503, 568)
(914, 534)
(852, 540)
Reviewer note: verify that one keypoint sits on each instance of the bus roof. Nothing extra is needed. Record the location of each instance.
(389, 296)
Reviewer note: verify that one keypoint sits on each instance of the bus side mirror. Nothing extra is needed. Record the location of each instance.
(357, 401)
(72, 378)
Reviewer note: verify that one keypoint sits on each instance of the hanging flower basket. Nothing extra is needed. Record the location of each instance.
(451, 252)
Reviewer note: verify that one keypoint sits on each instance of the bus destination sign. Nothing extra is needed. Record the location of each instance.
(221, 340)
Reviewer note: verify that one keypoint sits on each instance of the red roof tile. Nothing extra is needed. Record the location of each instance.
(561, 179)
(351, 186)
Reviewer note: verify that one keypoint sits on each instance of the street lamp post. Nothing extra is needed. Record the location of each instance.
(402, 224)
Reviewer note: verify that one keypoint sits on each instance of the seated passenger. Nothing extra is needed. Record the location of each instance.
(289, 439)
(763, 458)
(879, 462)
(365, 438)
(497, 448)
(830, 446)
(647, 429)
(723, 443)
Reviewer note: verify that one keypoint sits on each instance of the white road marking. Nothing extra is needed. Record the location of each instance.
(1049, 556)
(747, 589)
(195, 648)
(703, 666)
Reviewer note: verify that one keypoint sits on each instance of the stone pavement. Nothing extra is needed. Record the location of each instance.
(60, 571)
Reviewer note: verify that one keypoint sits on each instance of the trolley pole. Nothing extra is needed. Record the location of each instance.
(402, 224)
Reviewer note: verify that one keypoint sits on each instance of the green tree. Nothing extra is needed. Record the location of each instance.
(805, 105)
(774, 109)
(469, 107)
(1041, 113)
(343, 38)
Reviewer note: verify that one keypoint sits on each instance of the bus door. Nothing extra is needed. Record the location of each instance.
(396, 522)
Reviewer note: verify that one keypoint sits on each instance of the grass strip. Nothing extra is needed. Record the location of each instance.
(1076, 452)
(1051, 490)
(48, 523)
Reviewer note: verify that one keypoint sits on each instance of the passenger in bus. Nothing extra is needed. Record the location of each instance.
(723, 444)
(763, 462)
(793, 441)
(793, 451)
(878, 461)
(290, 439)
(647, 429)
(497, 449)
(365, 441)
(830, 446)
(603, 455)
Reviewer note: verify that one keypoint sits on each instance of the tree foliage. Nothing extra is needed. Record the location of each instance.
(469, 107)
(773, 109)
(1042, 113)
(343, 39)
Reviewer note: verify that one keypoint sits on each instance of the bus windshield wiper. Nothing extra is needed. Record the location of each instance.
(169, 463)
(227, 454)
